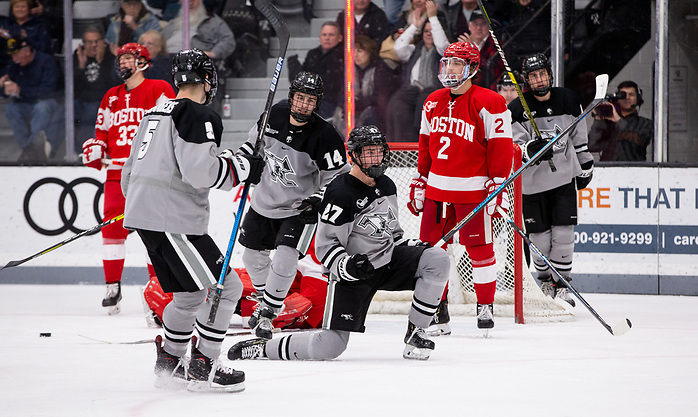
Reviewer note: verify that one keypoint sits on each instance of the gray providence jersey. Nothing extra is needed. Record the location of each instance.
(356, 218)
(172, 166)
(300, 161)
(551, 117)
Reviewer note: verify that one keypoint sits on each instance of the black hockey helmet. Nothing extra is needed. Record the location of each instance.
(533, 63)
(193, 66)
(363, 136)
(505, 80)
(308, 83)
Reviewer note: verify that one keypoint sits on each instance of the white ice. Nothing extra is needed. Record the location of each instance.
(558, 369)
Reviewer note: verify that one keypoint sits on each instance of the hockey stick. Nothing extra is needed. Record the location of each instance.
(601, 86)
(89, 231)
(277, 22)
(236, 333)
(519, 92)
(615, 330)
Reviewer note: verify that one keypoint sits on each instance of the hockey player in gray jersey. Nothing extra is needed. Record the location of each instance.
(550, 198)
(360, 241)
(303, 153)
(166, 181)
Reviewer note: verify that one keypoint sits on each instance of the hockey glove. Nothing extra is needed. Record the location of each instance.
(246, 168)
(533, 147)
(403, 241)
(309, 209)
(93, 150)
(418, 188)
(584, 178)
(355, 267)
(501, 200)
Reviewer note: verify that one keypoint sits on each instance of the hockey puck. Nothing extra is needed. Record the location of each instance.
(44, 334)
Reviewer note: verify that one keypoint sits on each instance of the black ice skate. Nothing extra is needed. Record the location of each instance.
(112, 298)
(439, 324)
(485, 317)
(562, 293)
(169, 369)
(248, 349)
(417, 345)
(546, 285)
(261, 322)
(207, 374)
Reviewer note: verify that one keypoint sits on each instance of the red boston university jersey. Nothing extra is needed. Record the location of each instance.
(463, 142)
(120, 113)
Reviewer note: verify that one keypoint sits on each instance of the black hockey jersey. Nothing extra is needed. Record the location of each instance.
(551, 116)
(356, 218)
(300, 161)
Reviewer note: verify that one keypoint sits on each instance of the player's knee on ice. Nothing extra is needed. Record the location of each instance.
(323, 345)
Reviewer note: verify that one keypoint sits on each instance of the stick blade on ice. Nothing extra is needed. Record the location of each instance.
(622, 327)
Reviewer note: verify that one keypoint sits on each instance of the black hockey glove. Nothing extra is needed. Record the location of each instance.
(356, 267)
(532, 147)
(403, 241)
(256, 168)
(309, 209)
(584, 178)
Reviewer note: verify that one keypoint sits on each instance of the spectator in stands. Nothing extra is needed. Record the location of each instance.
(31, 81)
(207, 32)
(491, 64)
(420, 71)
(169, 8)
(132, 20)
(93, 75)
(458, 16)
(369, 20)
(160, 61)
(252, 37)
(327, 60)
(21, 24)
(374, 84)
(50, 12)
(619, 133)
(531, 35)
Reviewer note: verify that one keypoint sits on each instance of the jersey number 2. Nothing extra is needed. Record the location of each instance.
(152, 125)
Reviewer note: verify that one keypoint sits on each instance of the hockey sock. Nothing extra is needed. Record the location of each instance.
(562, 249)
(114, 252)
(326, 344)
(281, 275)
(432, 270)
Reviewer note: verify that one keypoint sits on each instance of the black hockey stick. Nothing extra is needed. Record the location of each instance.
(601, 86)
(615, 330)
(89, 231)
(519, 92)
(277, 22)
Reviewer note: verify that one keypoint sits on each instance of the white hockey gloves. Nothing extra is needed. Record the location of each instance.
(418, 187)
(501, 200)
(244, 167)
(93, 150)
(585, 177)
(355, 268)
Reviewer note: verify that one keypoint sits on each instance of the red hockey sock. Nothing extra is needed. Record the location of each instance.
(113, 269)
(485, 292)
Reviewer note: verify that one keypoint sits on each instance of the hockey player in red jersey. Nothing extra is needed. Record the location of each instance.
(465, 153)
(119, 114)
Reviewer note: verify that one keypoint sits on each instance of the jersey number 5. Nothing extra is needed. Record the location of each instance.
(331, 213)
(152, 125)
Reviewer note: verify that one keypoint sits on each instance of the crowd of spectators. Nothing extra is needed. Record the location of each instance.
(398, 48)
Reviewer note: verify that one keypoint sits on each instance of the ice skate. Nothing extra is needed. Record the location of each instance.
(207, 374)
(563, 294)
(439, 324)
(485, 317)
(248, 349)
(417, 345)
(112, 298)
(261, 322)
(169, 369)
(546, 285)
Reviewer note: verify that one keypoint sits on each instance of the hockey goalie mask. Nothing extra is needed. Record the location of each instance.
(369, 150)
(460, 62)
(141, 58)
(310, 85)
(193, 66)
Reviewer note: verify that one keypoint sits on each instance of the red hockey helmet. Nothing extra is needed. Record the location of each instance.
(138, 51)
(469, 56)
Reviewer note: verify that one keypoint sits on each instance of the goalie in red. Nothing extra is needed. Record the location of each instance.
(465, 153)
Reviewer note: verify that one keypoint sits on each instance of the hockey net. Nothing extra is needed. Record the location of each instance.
(518, 295)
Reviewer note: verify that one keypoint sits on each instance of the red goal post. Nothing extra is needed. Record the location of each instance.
(517, 295)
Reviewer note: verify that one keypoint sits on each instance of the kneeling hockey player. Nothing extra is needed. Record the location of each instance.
(359, 239)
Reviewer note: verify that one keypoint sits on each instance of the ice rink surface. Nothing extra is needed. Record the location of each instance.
(575, 368)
